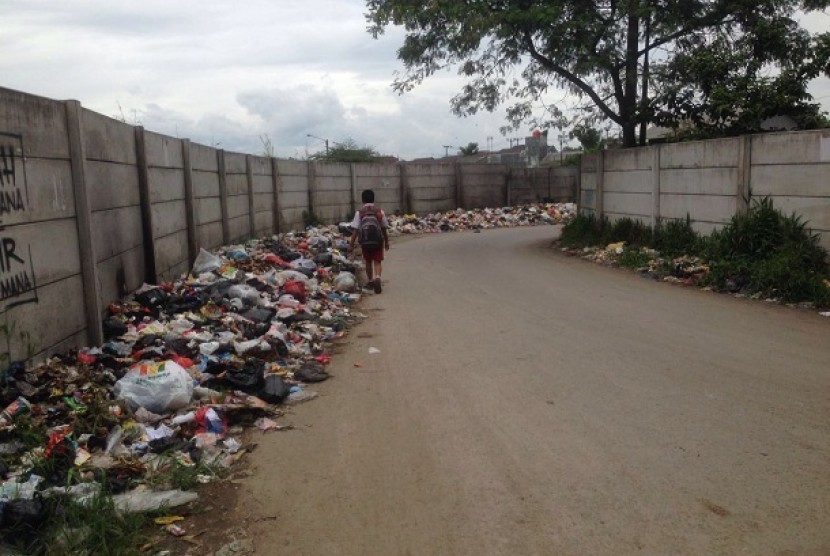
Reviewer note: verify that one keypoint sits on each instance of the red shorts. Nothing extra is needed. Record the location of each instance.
(374, 254)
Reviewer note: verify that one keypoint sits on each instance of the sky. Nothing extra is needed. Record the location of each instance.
(229, 74)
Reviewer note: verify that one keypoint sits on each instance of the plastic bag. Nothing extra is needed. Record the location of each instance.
(345, 282)
(205, 262)
(296, 289)
(157, 387)
(275, 389)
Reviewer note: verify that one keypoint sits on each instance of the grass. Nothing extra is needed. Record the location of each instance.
(92, 527)
(761, 251)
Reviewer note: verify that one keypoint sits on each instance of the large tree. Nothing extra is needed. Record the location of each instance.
(632, 62)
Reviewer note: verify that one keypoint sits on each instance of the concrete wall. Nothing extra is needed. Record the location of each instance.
(90, 208)
(534, 185)
(710, 181)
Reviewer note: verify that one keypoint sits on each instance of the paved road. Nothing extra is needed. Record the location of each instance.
(528, 403)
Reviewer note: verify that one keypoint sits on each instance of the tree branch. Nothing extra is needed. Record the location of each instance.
(562, 72)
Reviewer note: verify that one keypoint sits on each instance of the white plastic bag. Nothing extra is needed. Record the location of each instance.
(345, 282)
(205, 262)
(159, 387)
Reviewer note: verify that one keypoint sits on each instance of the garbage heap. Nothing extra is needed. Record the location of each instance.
(685, 269)
(481, 219)
(187, 366)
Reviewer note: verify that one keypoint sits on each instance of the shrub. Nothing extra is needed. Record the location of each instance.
(632, 232)
(633, 257)
(766, 252)
(583, 231)
(674, 238)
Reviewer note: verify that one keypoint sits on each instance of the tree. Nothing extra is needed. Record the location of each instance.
(469, 150)
(632, 62)
(589, 137)
(347, 151)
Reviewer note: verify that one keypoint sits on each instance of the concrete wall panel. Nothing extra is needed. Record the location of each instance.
(718, 153)
(210, 235)
(41, 121)
(171, 251)
(47, 193)
(628, 182)
(58, 315)
(112, 185)
(626, 160)
(166, 184)
(50, 248)
(235, 163)
(208, 210)
(127, 266)
(169, 218)
(263, 184)
(261, 166)
(203, 158)
(205, 184)
(237, 206)
(805, 147)
(236, 184)
(264, 223)
(107, 139)
(809, 180)
(702, 208)
(240, 228)
(115, 231)
(628, 204)
(700, 181)
(162, 151)
(589, 181)
(815, 211)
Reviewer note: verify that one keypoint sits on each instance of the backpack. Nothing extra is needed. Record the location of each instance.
(369, 232)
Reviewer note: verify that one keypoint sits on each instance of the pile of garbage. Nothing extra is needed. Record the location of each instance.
(482, 219)
(685, 269)
(185, 368)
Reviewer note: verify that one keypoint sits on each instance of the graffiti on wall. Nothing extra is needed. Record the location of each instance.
(17, 275)
(13, 187)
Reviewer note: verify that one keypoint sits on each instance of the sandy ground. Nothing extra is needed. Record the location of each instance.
(528, 403)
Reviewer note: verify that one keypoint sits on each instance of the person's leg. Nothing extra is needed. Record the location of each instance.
(377, 282)
(369, 271)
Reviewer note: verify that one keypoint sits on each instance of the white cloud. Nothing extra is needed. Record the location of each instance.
(227, 73)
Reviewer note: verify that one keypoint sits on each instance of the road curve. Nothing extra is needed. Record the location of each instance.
(526, 403)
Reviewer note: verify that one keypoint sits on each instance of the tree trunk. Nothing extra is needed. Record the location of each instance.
(628, 106)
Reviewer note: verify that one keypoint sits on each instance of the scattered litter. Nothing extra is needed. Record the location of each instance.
(373, 350)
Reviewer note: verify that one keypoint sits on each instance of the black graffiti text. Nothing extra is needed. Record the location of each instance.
(15, 285)
(7, 177)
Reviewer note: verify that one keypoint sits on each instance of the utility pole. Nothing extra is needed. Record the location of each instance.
(447, 150)
(326, 141)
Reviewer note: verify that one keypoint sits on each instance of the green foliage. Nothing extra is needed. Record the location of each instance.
(702, 60)
(633, 257)
(347, 151)
(763, 251)
(633, 232)
(469, 150)
(673, 238)
(583, 231)
(590, 138)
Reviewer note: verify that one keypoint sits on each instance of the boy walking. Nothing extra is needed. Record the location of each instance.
(371, 229)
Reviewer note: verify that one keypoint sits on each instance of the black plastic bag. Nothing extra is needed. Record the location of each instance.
(249, 378)
(275, 389)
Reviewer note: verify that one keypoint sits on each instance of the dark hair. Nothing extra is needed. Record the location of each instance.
(368, 196)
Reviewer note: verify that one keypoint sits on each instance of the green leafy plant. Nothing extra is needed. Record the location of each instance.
(633, 257)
